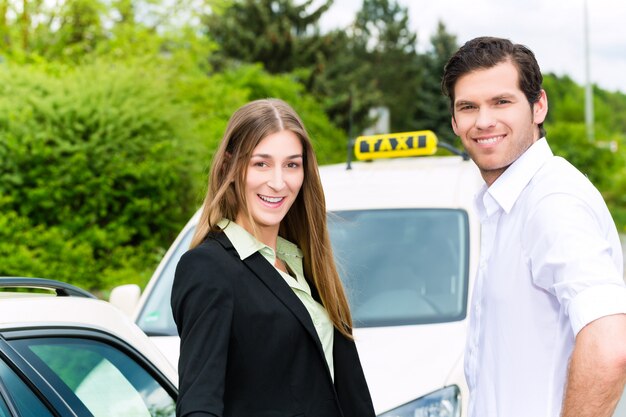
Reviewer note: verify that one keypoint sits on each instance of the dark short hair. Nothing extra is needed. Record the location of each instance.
(486, 52)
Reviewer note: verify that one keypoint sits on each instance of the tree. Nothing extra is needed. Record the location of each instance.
(382, 37)
(342, 81)
(78, 30)
(432, 109)
(279, 34)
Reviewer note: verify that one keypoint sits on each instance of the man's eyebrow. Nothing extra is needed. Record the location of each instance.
(503, 95)
(462, 103)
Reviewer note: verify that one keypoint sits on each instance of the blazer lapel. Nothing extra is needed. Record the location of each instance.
(264, 271)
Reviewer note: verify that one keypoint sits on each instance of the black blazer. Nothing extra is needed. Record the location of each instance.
(249, 347)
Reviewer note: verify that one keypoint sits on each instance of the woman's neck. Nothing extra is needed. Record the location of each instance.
(268, 235)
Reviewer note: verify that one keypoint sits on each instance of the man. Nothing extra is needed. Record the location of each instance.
(547, 331)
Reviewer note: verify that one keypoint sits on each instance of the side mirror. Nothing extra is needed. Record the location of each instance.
(126, 298)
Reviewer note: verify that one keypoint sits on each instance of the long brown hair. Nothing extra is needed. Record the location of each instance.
(305, 222)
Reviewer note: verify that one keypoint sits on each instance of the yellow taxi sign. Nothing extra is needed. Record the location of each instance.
(418, 143)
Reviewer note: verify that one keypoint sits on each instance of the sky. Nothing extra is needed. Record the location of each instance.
(552, 29)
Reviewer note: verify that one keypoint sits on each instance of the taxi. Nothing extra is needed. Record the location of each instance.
(406, 241)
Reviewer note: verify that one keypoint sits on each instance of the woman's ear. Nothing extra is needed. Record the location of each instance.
(228, 157)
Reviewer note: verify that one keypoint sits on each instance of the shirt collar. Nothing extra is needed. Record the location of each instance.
(246, 244)
(507, 188)
(290, 254)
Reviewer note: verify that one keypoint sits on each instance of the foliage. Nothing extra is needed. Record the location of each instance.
(279, 34)
(372, 63)
(432, 109)
(98, 152)
(341, 80)
(329, 141)
(382, 37)
(72, 31)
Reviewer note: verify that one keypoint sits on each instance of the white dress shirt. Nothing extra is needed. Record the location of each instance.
(550, 263)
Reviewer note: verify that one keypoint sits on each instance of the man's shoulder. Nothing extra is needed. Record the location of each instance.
(559, 186)
(558, 175)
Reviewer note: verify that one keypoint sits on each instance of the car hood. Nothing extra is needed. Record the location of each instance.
(403, 363)
(169, 346)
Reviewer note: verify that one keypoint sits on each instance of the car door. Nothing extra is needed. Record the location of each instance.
(79, 372)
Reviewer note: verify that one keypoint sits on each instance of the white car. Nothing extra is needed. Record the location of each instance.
(406, 240)
(65, 353)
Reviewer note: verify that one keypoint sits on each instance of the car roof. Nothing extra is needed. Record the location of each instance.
(41, 311)
(436, 181)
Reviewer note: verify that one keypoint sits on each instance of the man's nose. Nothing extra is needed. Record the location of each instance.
(485, 119)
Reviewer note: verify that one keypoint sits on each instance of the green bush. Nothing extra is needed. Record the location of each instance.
(212, 99)
(328, 140)
(96, 159)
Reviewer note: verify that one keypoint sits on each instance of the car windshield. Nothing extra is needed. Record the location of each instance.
(402, 267)
(399, 267)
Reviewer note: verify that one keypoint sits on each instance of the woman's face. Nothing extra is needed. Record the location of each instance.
(275, 174)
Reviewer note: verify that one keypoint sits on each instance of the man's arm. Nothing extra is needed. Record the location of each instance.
(597, 369)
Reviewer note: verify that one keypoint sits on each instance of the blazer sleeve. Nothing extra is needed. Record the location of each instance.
(202, 305)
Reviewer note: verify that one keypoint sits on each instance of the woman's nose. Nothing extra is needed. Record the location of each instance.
(276, 181)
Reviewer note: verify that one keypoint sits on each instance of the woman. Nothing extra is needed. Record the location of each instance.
(264, 322)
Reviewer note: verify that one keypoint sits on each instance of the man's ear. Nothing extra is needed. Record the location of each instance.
(540, 108)
(454, 126)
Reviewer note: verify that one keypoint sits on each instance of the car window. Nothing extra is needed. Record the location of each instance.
(156, 317)
(4, 410)
(407, 266)
(106, 380)
(24, 400)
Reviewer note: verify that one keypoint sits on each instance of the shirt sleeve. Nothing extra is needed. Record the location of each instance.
(572, 257)
(202, 305)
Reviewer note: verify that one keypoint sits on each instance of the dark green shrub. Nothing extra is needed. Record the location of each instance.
(97, 159)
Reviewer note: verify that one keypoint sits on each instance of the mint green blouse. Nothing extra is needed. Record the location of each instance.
(246, 244)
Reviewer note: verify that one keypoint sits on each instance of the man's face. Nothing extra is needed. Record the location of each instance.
(493, 118)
